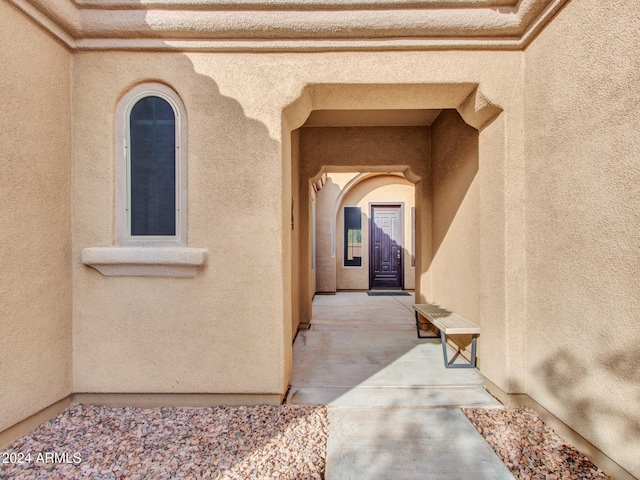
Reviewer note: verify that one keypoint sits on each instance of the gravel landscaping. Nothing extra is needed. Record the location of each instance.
(283, 442)
(529, 448)
(280, 442)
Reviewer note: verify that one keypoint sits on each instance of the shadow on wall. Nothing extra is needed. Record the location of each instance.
(325, 261)
(592, 413)
(233, 165)
(235, 153)
(386, 260)
(455, 163)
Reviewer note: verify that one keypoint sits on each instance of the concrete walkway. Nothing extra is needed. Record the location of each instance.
(394, 409)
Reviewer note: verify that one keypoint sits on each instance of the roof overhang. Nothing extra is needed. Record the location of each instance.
(291, 25)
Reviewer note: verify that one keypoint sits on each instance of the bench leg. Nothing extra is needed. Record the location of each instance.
(450, 364)
(418, 329)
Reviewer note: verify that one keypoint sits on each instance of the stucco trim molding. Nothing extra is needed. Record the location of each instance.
(176, 400)
(29, 424)
(145, 261)
(291, 25)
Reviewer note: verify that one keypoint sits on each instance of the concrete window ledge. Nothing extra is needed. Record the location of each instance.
(145, 261)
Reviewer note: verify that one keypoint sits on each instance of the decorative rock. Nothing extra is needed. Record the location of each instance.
(529, 448)
(284, 442)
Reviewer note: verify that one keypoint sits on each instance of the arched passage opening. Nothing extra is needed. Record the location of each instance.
(350, 250)
(426, 133)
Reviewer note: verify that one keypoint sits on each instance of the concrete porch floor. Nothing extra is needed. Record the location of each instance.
(394, 409)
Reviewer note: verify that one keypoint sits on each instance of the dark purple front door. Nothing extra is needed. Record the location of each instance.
(385, 247)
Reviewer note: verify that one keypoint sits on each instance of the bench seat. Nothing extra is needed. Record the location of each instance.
(448, 323)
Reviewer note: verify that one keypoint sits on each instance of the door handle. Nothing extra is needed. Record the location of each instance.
(398, 255)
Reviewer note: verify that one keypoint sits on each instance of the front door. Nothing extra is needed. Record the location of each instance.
(385, 247)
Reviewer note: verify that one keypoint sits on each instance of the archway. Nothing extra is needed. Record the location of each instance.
(342, 230)
(427, 133)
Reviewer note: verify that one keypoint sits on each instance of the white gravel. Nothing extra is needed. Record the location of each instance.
(529, 448)
(283, 442)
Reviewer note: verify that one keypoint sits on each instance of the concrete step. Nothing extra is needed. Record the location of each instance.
(406, 397)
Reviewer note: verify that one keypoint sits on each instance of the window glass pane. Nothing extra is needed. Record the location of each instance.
(153, 168)
(313, 233)
(413, 236)
(352, 236)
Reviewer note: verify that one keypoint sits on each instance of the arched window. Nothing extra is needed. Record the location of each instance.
(151, 197)
(151, 190)
(152, 167)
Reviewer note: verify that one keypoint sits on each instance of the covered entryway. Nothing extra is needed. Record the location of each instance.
(363, 351)
(359, 351)
(424, 135)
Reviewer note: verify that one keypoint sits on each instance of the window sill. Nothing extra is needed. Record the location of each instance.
(145, 261)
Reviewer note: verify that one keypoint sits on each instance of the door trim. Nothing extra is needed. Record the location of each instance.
(372, 205)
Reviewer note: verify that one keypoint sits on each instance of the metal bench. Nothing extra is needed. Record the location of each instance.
(448, 323)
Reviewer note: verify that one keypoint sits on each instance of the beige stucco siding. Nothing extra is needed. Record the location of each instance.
(35, 214)
(455, 263)
(582, 92)
(223, 330)
(228, 329)
(525, 188)
(456, 253)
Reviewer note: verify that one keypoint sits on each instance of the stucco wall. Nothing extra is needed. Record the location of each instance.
(35, 219)
(582, 84)
(455, 263)
(227, 329)
(294, 244)
(325, 258)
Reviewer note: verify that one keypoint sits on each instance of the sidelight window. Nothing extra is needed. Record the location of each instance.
(352, 237)
(413, 236)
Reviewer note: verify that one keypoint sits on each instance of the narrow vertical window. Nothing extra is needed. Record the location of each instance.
(413, 236)
(150, 189)
(151, 169)
(352, 237)
(313, 232)
(152, 143)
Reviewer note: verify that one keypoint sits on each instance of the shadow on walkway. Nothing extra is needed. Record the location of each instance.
(393, 406)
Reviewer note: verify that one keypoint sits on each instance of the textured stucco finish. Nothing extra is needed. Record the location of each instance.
(35, 209)
(221, 331)
(455, 258)
(582, 84)
(290, 25)
(182, 335)
(526, 212)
